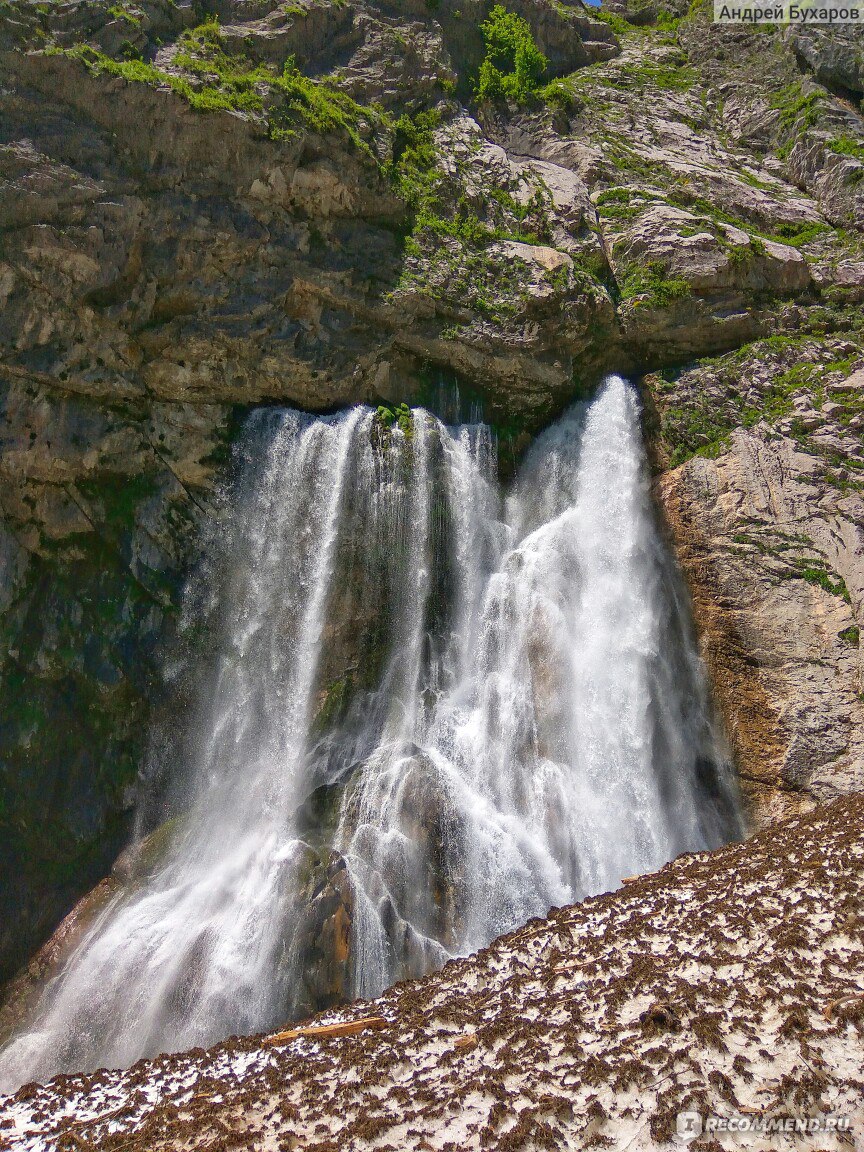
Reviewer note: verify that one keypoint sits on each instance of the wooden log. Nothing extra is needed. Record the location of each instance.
(344, 1028)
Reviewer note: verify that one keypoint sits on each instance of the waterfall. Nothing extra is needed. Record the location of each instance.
(476, 706)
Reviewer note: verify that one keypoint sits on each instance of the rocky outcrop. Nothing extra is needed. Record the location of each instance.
(833, 54)
(691, 284)
(767, 519)
(690, 990)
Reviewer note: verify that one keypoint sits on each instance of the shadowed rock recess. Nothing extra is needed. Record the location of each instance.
(690, 990)
(209, 207)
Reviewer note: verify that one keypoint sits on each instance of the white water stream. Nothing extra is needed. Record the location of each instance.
(527, 722)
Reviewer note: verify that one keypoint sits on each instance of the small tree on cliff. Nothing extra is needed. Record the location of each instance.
(514, 65)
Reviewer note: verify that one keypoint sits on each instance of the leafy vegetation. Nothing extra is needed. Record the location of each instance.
(669, 75)
(321, 106)
(665, 23)
(415, 158)
(815, 571)
(699, 421)
(650, 283)
(398, 416)
(795, 106)
(698, 429)
(617, 23)
(121, 13)
(513, 66)
(798, 111)
(798, 234)
(213, 79)
(420, 183)
(622, 204)
(847, 146)
(560, 94)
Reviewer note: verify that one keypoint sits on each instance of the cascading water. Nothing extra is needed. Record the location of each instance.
(495, 705)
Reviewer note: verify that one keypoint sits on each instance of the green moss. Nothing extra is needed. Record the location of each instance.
(414, 169)
(618, 24)
(337, 697)
(702, 425)
(622, 204)
(794, 234)
(396, 416)
(664, 26)
(667, 21)
(651, 283)
(120, 13)
(560, 94)
(795, 106)
(798, 235)
(671, 77)
(319, 106)
(699, 429)
(798, 111)
(850, 636)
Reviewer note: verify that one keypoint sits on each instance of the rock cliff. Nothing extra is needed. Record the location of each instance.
(203, 210)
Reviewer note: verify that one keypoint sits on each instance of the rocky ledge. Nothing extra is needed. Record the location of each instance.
(729, 983)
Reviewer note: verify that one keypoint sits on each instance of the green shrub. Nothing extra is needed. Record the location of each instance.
(398, 415)
(650, 280)
(233, 82)
(667, 21)
(321, 106)
(846, 146)
(617, 23)
(415, 156)
(120, 13)
(560, 94)
(514, 65)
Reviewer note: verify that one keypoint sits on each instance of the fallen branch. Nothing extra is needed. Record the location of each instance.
(829, 1009)
(346, 1028)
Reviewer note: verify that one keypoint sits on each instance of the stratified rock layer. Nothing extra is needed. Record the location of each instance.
(728, 983)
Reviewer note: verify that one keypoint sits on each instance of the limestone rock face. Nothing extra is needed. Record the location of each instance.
(306, 204)
(834, 54)
(702, 280)
(769, 529)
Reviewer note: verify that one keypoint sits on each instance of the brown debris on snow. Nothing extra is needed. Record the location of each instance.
(728, 982)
